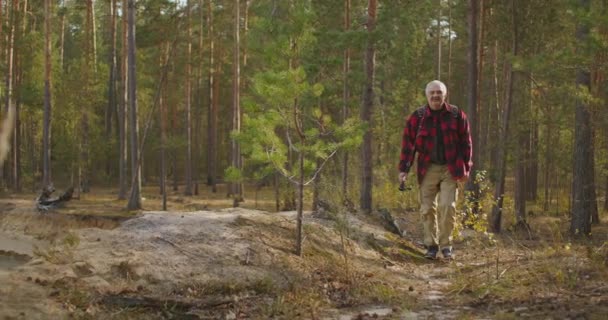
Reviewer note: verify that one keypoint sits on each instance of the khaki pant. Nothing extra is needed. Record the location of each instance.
(438, 217)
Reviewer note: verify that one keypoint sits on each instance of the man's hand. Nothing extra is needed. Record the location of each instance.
(402, 176)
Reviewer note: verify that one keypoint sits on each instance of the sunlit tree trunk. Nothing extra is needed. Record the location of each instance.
(367, 111)
(188, 97)
(438, 39)
(472, 98)
(62, 14)
(135, 197)
(236, 187)
(449, 82)
(496, 217)
(199, 103)
(16, 165)
(122, 111)
(163, 140)
(93, 34)
(89, 80)
(345, 96)
(111, 79)
(212, 114)
(482, 109)
(46, 126)
(10, 12)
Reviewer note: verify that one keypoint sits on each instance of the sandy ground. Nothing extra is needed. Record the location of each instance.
(239, 264)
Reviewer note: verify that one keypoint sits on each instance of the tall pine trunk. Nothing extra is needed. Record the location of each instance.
(163, 140)
(212, 114)
(367, 111)
(46, 126)
(583, 188)
(496, 217)
(16, 165)
(345, 96)
(438, 38)
(122, 111)
(188, 97)
(236, 187)
(111, 79)
(9, 85)
(472, 98)
(135, 197)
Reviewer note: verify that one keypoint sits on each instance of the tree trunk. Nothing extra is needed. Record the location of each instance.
(122, 111)
(236, 187)
(521, 178)
(62, 38)
(9, 85)
(94, 35)
(188, 188)
(316, 189)
(277, 196)
(449, 82)
(345, 96)
(483, 114)
(212, 114)
(16, 168)
(496, 217)
(583, 189)
(163, 142)
(494, 113)
(46, 129)
(367, 111)
(135, 197)
(548, 163)
(438, 38)
(473, 75)
(199, 104)
(300, 217)
(111, 80)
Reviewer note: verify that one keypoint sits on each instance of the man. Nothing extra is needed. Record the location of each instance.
(439, 132)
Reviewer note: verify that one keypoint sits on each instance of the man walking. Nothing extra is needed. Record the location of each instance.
(439, 132)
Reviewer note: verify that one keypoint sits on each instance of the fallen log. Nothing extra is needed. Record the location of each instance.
(44, 202)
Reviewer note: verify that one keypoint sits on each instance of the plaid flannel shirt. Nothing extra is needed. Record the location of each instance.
(420, 138)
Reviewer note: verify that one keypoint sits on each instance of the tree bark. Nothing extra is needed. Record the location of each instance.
(188, 97)
(122, 111)
(496, 217)
(583, 189)
(46, 129)
(472, 98)
(300, 216)
(62, 37)
(16, 168)
(163, 143)
(345, 96)
(438, 38)
(367, 111)
(520, 178)
(135, 197)
(449, 82)
(236, 187)
(212, 114)
(111, 79)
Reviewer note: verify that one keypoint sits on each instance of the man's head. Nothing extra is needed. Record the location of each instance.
(435, 94)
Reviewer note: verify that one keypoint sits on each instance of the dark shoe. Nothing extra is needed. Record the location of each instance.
(431, 252)
(447, 253)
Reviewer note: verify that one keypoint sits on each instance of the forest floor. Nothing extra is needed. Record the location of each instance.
(93, 260)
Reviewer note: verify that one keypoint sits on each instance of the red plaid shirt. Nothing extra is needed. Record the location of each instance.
(420, 138)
